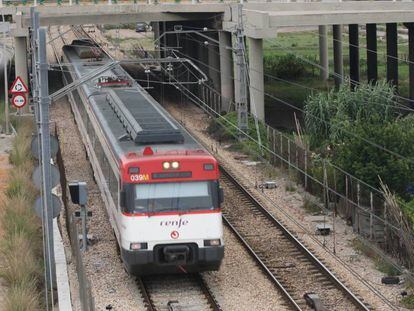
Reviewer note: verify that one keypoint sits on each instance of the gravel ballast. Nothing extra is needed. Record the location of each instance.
(238, 285)
(287, 205)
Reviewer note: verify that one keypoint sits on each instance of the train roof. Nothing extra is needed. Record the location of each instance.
(130, 118)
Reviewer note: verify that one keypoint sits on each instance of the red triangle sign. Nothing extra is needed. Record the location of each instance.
(18, 86)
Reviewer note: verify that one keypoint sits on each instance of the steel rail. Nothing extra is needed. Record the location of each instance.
(208, 293)
(149, 304)
(262, 265)
(357, 301)
(198, 279)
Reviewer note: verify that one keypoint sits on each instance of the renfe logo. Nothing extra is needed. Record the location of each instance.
(174, 223)
(174, 235)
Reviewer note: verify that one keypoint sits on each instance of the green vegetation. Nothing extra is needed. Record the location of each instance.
(21, 243)
(363, 133)
(381, 264)
(226, 130)
(304, 46)
(120, 26)
(408, 301)
(290, 186)
(310, 205)
(287, 66)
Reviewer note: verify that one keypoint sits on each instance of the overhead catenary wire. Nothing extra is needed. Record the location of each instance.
(374, 144)
(334, 74)
(397, 104)
(199, 102)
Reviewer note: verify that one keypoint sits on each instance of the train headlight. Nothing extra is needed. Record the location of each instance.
(214, 242)
(166, 165)
(175, 165)
(133, 170)
(138, 246)
(208, 166)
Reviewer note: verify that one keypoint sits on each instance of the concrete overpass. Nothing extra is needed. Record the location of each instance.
(261, 20)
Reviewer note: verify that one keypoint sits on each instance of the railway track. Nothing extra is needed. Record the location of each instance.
(284, 259)
(177, 292)
(166, 292)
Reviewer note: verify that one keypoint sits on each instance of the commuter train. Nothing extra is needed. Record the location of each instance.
(160, 187)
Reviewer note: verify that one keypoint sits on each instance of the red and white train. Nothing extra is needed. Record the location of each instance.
(160, 187)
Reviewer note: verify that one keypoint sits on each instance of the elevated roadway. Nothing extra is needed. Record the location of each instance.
(261, 20)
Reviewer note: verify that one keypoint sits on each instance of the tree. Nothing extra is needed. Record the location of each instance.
(367, 161)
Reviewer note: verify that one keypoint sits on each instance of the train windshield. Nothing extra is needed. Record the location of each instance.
(175, 196)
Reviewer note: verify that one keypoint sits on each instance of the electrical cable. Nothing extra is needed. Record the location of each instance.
(329, 123)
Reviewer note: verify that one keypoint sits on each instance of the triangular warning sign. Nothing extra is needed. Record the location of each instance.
(18, 86)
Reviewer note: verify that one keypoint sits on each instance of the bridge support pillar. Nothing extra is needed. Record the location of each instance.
(20, 60)
(372, 59)
(214, 64)
(410, 27)
(392, 54)
(338, 58)
(323, 52)
(236, 75)
(354, 55)
(226, 70)
(256, 78)
(156, 31)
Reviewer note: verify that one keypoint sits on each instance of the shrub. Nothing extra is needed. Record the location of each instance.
(19, 261)
(408, 301)
(20, 154)
(23, 297)
(310, 205)
(18, 218)
(18, 185)
(290, 186)
(287, 66)
(330, 116)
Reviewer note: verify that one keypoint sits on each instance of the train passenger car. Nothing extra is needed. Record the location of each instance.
(160, 187)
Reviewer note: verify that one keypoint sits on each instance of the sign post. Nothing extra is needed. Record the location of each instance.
(19, 101)
(19, 91)
(18, 87)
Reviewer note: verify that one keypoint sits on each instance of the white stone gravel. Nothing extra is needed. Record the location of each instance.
(291, 203)
(240, 284)
(111, 285)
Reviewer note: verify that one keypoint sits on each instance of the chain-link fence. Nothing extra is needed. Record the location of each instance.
(361, 205)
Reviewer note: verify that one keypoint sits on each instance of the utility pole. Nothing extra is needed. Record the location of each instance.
(241, 106)
(6, 96)
(43, 102)
(6, 79)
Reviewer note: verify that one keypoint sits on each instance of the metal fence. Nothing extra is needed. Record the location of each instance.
(357, 202)
(85, 292)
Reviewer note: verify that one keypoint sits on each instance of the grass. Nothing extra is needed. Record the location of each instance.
(18, 185)
(408, 301)
(20, 154)
(21, 244)
(23, 297)
(310, 205)
(306, 45)
(380, 264)
(290, 186)
(19, 260)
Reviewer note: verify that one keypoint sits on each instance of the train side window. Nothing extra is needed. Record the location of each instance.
(113, 186)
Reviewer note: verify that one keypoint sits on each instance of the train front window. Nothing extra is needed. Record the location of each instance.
(175, 196)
